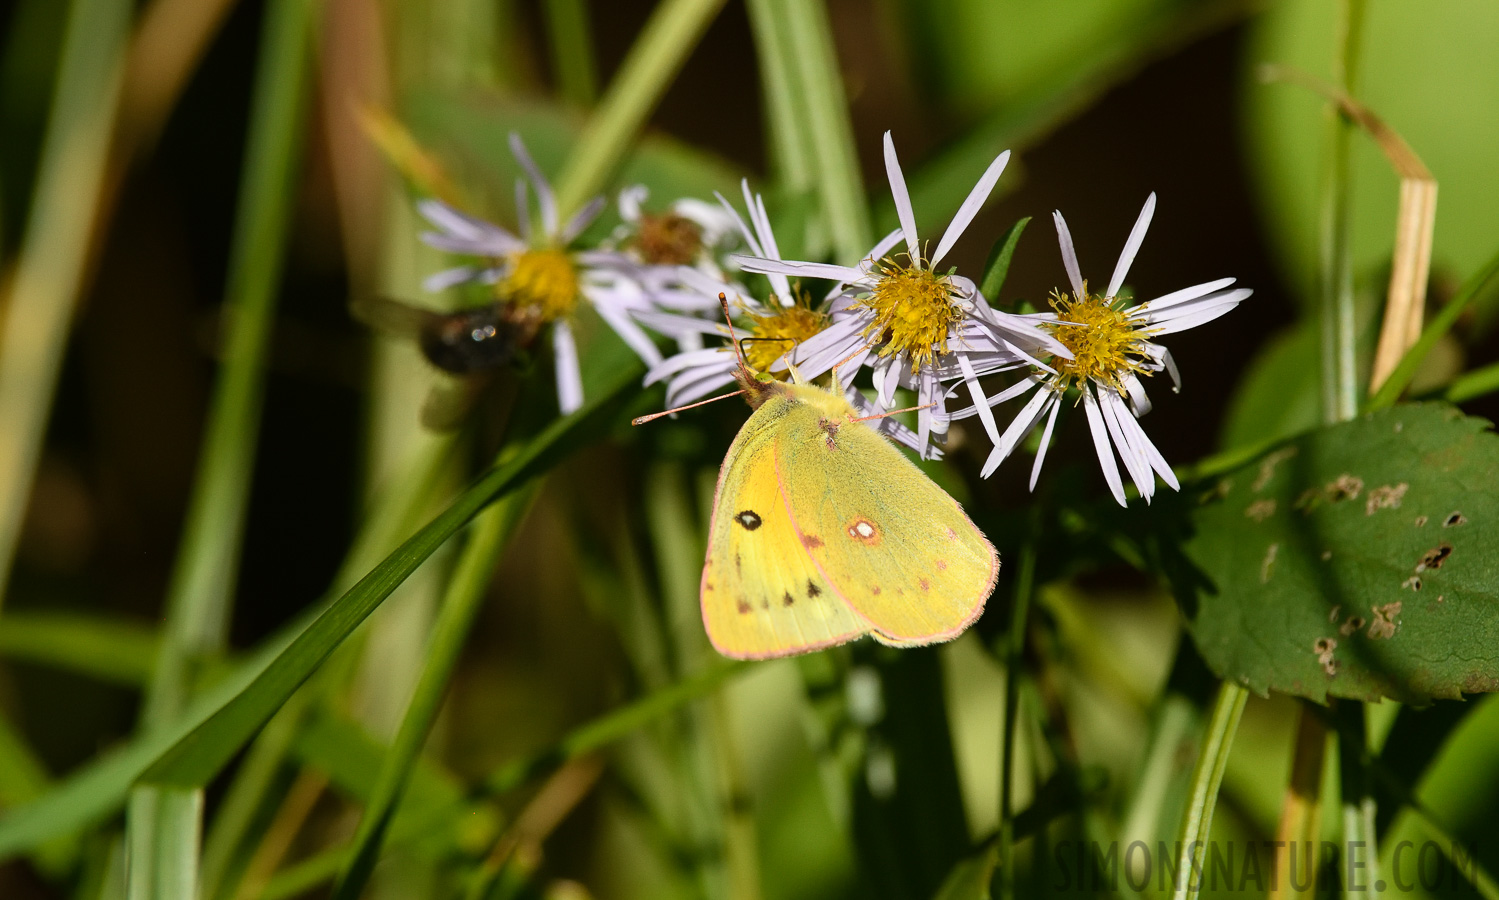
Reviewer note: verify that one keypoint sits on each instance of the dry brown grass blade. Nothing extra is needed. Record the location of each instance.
(1300, 814)
(1410, 263)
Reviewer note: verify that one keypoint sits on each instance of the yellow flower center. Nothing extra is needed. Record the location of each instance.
(668, 239)
(1105, 344)
(913, 309)
(545, 281)
(778, 332)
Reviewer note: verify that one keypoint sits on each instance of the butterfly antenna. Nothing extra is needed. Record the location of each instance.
(861, 350)
(654, 416)
(723, 302)
(892, 412)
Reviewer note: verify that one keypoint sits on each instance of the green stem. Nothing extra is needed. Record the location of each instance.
(1014, 658)
(672, 32)
(572, 51)
(819, 82)
(1360, 866)
(1207, 775)
(1339, 350)
(49, 270)
(464, 597)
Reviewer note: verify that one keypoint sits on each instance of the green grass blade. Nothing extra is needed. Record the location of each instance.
(49, 269)
(997, 267)
(112, 650)
(163, 843)
(23, 778)
(1440, 324)
(200, 592)
(790, 145)
(1467, 386)
(669, 36)
(1207, 774)
(99, 788)
(572, 51)
(836, 160)
(201, 754)
(464, 597)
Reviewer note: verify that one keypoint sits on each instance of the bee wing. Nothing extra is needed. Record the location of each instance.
(393, 317)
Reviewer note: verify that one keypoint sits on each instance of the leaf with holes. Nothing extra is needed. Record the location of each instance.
(1355, 561)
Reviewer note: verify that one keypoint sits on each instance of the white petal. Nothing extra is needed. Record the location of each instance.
(715, 358)
(800, 269)
(1194, 306)
(1051, 422)
(1181, 296)
(1102, 446)
(1020, 426)
(744, 230)
(902, 197)
(1207, 314)
(1069, 254)
(1142, 442)
(1134, 459)
(886, 244)
(1132, 246)
(971, 206)
(544, 197)
(629, 332)
(687, 390)
(445, 279)
(980, 402)
(569, 376)
(923, 423)
(1009, 393)
(630, 199)
(1139, 401)
(581, 220)
(522, 210)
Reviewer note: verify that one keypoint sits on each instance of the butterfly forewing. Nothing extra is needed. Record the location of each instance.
(762, 594)
(898, 550)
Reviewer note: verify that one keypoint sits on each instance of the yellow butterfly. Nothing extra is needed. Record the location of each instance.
(824, 532)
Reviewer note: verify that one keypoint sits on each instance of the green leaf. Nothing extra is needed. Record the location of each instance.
(165, 827)
(998, 264)
(112, 650)
(460, 606)
(216, 724)
(1207, 776)
(200, 755)
(1355, 561)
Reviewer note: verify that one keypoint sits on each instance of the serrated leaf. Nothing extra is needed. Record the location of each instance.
(1355, 561)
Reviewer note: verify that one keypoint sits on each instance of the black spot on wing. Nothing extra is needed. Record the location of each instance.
(812, 589)
(748, 518)
(786, 599)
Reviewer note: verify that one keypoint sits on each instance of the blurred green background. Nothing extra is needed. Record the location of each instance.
(771, 787)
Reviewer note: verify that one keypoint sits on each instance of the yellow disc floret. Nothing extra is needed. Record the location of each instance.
(913, 309)
(1105, 343)
(545, 281)
(778, 332)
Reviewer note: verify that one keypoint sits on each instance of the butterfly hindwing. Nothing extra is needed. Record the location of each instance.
(899, 551)
(762, 595)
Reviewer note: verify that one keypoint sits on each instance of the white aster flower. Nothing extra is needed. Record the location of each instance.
(539, 277)
(774, 329)
(917, 325)
(690, 232)
(1112, 346)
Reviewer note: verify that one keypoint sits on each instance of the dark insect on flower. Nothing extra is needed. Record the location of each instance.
(469, 344)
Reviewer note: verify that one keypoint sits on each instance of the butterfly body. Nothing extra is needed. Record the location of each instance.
(823, 532)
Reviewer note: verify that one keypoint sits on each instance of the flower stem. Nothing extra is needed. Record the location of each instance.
(1207, 774)
(1014, 653)
(1339, 351)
